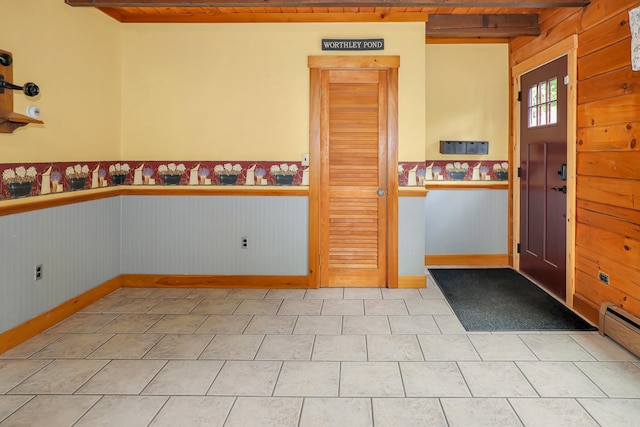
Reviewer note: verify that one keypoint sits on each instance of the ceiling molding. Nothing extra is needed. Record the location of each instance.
(482, 26)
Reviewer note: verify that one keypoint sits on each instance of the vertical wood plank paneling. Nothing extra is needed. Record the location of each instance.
(77, 245)
(202, 235)
(411, 229)
(608, 184)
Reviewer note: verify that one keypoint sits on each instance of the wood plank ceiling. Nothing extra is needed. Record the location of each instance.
(452, 18)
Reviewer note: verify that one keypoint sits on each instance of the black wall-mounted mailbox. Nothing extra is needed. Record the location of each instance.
(464, 147)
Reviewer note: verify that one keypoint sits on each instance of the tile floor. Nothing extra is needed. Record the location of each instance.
(326, 357)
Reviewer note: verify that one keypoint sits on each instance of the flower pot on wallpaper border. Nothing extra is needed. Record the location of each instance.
(19, 189)
(457, 176)
(77, 183)
(118, 179)
(228, 179)
(502, 176)
(284, 179)
(169, 179)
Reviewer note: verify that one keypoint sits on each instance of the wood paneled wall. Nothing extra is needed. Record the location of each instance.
(608, 152)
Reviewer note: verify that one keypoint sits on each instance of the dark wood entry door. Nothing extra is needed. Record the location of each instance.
(543, 159)
(353, 178)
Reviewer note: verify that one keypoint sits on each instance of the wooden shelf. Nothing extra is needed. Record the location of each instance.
(10, 121)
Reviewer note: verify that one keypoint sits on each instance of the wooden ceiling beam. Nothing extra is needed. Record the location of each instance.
(482, 25)
(331, 3)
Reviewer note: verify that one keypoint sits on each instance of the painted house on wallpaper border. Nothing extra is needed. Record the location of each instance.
(237, 86)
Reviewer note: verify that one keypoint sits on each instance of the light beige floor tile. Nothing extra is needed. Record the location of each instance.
(247, 293)
(260, 307)
(431, 291)
(174, 306)
(286, 347)
(60, 377)
(216, 306)
(616, 379)
(178, 324)
(194, 411)
(51, 411)
(413, 325)
(449, 324)
(100, 305)
(30, 346)
(179, 347)
(339, 307)
(340, 348)
(428, 306)
(224, 324)
(371, 379)
(132, 305)
(336, 412)
(479, 413)
(501, 347)
(132, 293)
(233, 347)
(123, 377)
(130, 411)
(496, 379)
(319, 379)
(556, 347)
(613, 412)
(331, 325)
(362, 293)
(184, 377)
(559, 379)
(10, 404)
(367, 325)
(552, 412)
(324, 293)
(13, 372)
(73, 346)
(393, 348)
(213, 293)
(447, 347)
(171, 293)
(246, 378)
(265, 412)
(131, 323)
(603, 348)
(271, 325)
(303, 308)
(385, 307)
(433, 379)
(126, 346)
(82, 323)
(408, 412)
(291, 294)
(407, 294)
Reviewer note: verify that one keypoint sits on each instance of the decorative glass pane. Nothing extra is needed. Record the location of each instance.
(542, 116)
(533, 118)
(543, 92)
(533, 96)
(553, 112)
(553, 89)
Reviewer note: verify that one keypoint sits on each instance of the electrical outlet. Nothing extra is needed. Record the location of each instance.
(604, 278)
(37, 273)
(305, 159)
(244, 243)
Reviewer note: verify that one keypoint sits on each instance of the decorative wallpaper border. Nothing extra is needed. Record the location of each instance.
(34, 179)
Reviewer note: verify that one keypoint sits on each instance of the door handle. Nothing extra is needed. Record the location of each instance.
(563, 172)
(381, 192)
(562, 189)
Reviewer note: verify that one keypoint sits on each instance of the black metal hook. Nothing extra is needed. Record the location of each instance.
(29, 89)
(5, 59)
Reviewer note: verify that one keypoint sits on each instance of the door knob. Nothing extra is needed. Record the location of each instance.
(562, 189)
(381, 192)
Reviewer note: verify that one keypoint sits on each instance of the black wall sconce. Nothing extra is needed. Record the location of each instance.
(29, 89)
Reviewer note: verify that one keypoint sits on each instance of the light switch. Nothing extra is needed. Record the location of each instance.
(305, 159)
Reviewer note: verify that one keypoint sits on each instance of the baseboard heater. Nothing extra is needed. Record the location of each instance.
(621, 326)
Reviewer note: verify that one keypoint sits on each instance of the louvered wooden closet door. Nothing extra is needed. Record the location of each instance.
(353, 170)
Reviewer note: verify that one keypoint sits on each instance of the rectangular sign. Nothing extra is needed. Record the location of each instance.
(352, 44)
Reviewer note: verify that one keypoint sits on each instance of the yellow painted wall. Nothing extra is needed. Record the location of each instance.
(467, 97)
(73, 54)
(241, 91)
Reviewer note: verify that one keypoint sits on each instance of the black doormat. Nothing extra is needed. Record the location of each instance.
(501, 299)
